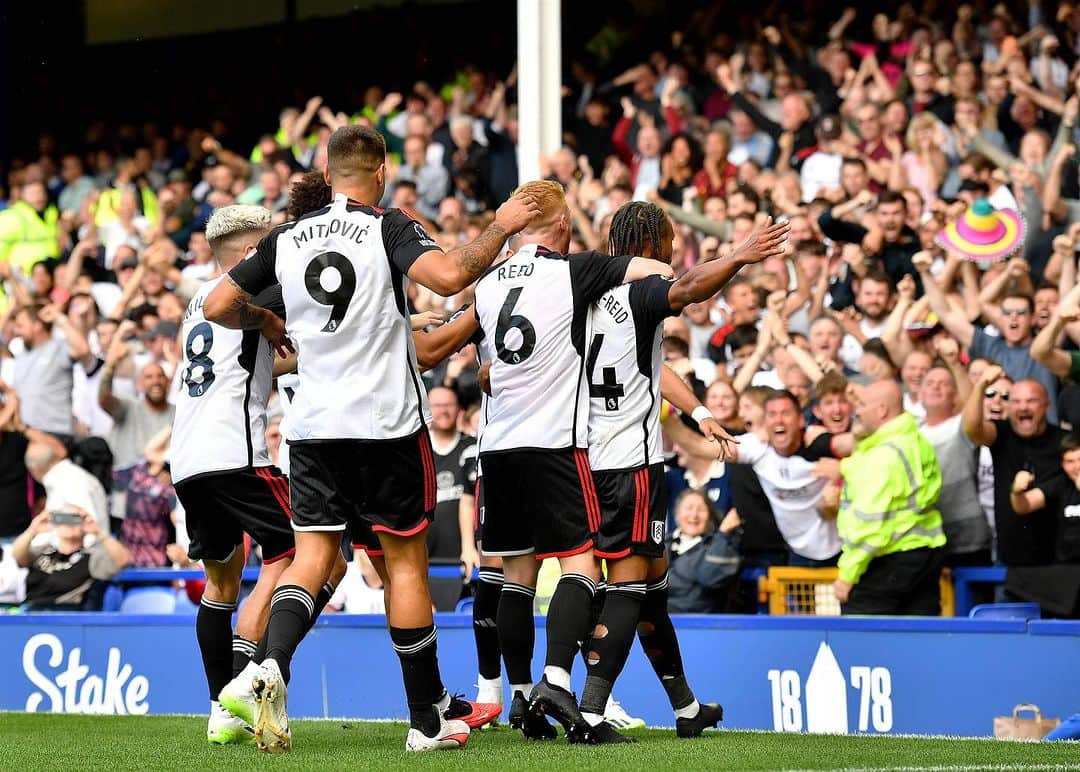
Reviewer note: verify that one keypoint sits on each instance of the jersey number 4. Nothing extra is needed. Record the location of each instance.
(609, 389)
(508, 320)
(338, 298)
(200, 370)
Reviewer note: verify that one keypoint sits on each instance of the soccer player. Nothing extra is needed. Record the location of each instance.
(626, 376)
(433, 346)
(539, 499)
(222, 471)
(359, 447)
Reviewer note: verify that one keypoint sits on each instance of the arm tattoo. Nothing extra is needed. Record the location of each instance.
(475, 257)
(240, 314)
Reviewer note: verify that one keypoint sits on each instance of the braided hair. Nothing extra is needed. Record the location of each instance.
(635, 224)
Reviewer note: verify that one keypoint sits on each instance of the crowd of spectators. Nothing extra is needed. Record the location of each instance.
(869, 137)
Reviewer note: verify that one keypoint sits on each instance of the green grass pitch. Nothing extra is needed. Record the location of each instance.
(46, 741)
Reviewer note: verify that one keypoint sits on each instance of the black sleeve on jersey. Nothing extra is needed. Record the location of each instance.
(820, 448)
(649, 306)
(256, 273)
(271, 299)
(404, 239)
(649, 301)
(594, 273)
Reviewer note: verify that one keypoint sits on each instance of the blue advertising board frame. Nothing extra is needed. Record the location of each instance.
(872, 675)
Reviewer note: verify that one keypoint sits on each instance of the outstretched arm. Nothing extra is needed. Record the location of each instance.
(678, 392)
(694, 443)
(978, 429)
(1044, 349)
(435, 346)
(448, 273)
(954, 320)
(706, 279)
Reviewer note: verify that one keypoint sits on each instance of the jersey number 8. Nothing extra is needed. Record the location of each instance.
(200, 371)
(508, 320)
(338, 299)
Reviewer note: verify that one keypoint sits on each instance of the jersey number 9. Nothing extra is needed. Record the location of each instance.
(338, 299)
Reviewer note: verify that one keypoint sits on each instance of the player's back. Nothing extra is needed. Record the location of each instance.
(347, 315)
(533, 311)
(623, 369)
(224, 385)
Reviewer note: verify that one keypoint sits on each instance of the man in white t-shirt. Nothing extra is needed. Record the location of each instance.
(787, 469)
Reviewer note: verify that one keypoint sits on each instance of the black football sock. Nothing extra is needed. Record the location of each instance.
(260, 650)
(567, 625)
(291, 611)
(485, 612)
(416, 647)
(610, 644)
(594, 615)
(517, 631)
(324, 596)
(327, 592)
(661, 646)
(213, 628)
(242, 652)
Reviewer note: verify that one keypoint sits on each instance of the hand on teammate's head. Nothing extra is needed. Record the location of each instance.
(518, 211)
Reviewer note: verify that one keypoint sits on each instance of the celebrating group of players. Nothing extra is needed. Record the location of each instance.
(570, 452)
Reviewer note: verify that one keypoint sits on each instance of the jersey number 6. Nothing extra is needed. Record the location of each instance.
(338, 299)
(509, 320)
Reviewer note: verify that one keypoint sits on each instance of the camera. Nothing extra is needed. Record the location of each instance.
(65, 518)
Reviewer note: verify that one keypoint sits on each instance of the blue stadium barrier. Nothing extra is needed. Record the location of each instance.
(151, 575)
(149, 600)
(963, 578)
(1006, 611)
(855, 675)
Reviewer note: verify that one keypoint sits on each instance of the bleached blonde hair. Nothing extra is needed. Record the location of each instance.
(229, 221)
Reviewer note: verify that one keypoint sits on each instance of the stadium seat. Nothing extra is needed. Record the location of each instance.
(149, 600)
(1006, 611)
(112, 598)
(184, 604)
(464, 606)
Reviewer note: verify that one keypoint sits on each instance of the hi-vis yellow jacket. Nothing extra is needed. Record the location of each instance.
(891, 484)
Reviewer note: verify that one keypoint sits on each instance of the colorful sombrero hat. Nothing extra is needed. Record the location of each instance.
(984, 234)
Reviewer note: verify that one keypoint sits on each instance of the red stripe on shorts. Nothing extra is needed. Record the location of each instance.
(427, 461)
(277, 487)
(637, 507)
(476, 506)
(592, 504)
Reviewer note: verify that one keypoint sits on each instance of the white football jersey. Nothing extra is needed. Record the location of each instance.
(794, 492)
(221, 395)
(533, 311)
(287, 385)
(342, 271)
(622, 365)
